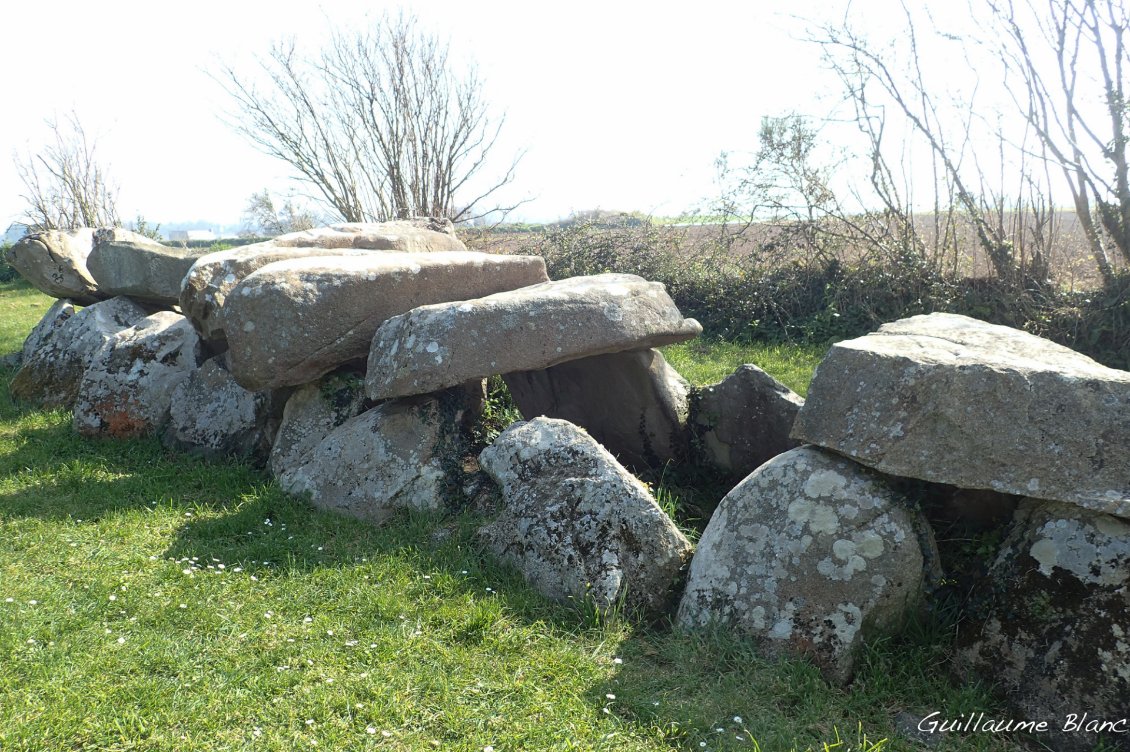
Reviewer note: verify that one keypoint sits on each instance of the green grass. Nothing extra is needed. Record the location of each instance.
(707, 361)
(150, 601)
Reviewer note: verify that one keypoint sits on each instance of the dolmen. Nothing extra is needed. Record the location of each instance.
(352, 360)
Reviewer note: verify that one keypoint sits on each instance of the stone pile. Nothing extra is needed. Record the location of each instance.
(351, 361)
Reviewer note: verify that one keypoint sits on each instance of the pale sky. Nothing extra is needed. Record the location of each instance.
(618, 105)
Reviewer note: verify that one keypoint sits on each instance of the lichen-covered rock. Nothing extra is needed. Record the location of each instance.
(291, 322)
(54, 262)
(311, 413)
(126, 263)
(437, 346)
(51, 375)
(950, 399)
(403, 454)
(57, 315)
(576, 524)
(128, 386)
(743, 421)
(210, 415)
(813, 555)
(633, 403)
(1050, 630)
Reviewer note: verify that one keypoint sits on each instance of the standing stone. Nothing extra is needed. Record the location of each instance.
(399, 455)
(128, 387)
(437, 346)
(210, 415)
(744, 420)
(576, 523)
(811, 554)
(950, 399)
(58, 314)
(1050, 631)
(51, 375)
(54, 262)
(633, 403)
(126, 263)
(291, 322)
(311, 413)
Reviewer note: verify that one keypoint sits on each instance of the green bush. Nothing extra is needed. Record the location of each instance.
(7, 271)
(825, 299)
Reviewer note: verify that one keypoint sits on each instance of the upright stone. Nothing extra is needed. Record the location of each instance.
(58, 314)
(126, 263)
(577, 524)
(50, 376)
(744, 420)
(54, 262)
(633, 403)
(812, 555)
(212, 416)
(1050, 628)
(436, 346)
(950, 399)
(311, 413)
(128, 387)
(293, 321)
(402, 454)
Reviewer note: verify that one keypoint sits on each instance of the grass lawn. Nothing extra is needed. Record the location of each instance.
(149, 601)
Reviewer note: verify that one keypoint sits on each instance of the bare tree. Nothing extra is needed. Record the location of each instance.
(1087, 40)
(66, 187)
(263, 217)
(378, 123)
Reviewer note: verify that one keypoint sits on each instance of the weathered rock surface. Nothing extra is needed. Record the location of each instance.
(51, 375)
(398, 455)
(1052, 629)
(128, 387)
(57, 315)
(211, 278)
(576, 523)
(311, 413)
(407, 235)
(210, 415)
(812, 554)
(436, 346)
(744, 420)
(293, 321)
(126, 263)
(54, 262)
(954, 400)
(633, 403)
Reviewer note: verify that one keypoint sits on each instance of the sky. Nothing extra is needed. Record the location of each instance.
(615, 105)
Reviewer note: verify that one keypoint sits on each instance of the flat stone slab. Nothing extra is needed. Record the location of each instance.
(54, 262)
(950, 399)
(408, 235)
(437, 346)
(126, 263)
(210, 280)
(293, 321)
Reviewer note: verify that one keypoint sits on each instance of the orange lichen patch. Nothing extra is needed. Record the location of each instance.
(121, 417)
